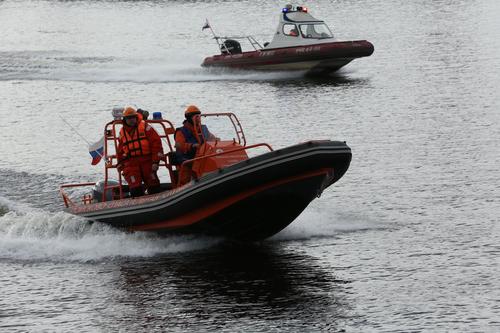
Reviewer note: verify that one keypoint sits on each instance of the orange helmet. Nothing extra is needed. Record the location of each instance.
(191, 111)
(129, 111)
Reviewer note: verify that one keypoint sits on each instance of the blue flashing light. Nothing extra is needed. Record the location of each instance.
(285, 10)
(157, 115)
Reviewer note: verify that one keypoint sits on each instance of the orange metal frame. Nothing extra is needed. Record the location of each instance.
(65, 196)
(234, 120)
(183, 166)
(111, 136)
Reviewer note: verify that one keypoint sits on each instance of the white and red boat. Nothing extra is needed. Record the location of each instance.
(301, 42)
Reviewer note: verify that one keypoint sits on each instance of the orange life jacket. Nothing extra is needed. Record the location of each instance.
(136, 143)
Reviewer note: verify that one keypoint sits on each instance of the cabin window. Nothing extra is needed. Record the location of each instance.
(315, 30)
(290, 30)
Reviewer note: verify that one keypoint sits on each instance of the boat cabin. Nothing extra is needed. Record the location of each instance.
(297, 28)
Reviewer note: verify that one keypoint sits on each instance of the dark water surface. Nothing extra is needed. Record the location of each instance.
(408, 240)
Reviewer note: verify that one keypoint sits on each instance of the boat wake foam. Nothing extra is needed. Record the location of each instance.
(54, 66)
(319, 223)
(33, 234)
(167, 73)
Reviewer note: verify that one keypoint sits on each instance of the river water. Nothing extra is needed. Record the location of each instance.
(407, 240)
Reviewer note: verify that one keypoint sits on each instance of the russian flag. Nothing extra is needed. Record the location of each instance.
(96, 150)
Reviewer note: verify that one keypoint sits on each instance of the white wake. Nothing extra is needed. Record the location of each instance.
(30, 234)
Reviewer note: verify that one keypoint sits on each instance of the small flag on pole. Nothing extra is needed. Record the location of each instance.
(206, 26)
(96, 150)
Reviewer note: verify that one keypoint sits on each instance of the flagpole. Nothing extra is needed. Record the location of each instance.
(211, 29)
(213, 32)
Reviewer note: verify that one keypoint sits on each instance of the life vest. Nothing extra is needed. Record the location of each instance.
(190, 138)
(136, 143)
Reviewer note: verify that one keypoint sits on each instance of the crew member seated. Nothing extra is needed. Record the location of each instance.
(139, 153)
(294, 32)
(187, 141)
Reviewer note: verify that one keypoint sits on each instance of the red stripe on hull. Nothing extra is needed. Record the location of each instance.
(204, 212)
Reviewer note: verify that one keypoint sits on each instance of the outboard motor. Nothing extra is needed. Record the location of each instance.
(230, 46)
(98, 190)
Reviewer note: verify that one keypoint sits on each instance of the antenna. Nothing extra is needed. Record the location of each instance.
(74, 130)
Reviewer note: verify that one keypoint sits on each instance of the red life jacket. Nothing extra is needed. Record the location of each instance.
(136, 143)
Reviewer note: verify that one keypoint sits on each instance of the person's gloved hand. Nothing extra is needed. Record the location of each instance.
(155, 166)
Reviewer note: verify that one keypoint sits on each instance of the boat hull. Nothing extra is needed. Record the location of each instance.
(315, 59)
(250, 200)
(264, 214)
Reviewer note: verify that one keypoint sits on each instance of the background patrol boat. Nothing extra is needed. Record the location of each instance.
(301, 42)
(232, 194)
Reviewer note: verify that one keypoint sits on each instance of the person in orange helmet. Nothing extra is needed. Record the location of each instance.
(186, 140)
(139, 153)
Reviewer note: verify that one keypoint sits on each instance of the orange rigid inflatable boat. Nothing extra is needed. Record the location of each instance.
(238, 191)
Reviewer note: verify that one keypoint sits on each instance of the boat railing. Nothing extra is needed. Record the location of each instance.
(66, 198)
(185, 166)
(238, 129)
(220, 41)
(111, 140)
(111, 161)
(110, 158)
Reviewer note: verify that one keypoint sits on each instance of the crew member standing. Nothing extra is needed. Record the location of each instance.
(139, 153)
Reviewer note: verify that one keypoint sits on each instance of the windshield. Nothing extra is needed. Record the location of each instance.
(221, 126)
(315, 30)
